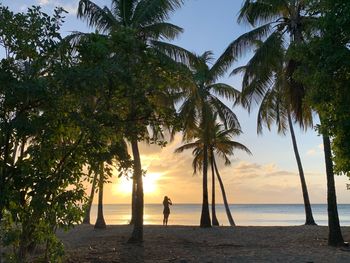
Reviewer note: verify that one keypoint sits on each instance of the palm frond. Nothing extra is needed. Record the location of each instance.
(76, 38)
(239, 70)
(259, 71)
(124, 10)
(153, 11)
(226, 115)
(225, 91)
(175, 52)
(100, 18)
(258, 12)
(239, 47)
(197, 162)
(239, 146)
(161, 30)
(223, 134)
(272, 111)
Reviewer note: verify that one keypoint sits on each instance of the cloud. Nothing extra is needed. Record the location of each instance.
(43, 2)
(311, 152)
(70, 7)
(317, 150)
(23, 8)
(245, 170)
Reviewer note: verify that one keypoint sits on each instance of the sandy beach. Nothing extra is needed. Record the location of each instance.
(192, 244)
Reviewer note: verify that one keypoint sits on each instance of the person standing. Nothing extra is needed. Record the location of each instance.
(166, 211)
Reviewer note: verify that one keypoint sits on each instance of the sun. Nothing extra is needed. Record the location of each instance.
(150, 184)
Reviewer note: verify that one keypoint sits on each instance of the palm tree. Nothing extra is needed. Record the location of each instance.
(199, 102)
(281, 24)
(275, 107)
(218, 141)
(146, 19)
(224, 146)
(200, 162)
(100, 221)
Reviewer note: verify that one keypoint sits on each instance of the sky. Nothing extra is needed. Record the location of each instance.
(270, 175)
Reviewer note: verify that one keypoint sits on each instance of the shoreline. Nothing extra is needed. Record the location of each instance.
(194, 244)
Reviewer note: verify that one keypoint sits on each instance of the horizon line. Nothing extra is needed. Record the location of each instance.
(223, 204)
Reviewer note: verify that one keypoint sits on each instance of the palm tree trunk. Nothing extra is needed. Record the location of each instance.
(227, 208)
(100, 222)
(86, 219)
(214, 221)
(308, 211)
(205, 216)
(335, 237)
(133, 202)
(137, 234)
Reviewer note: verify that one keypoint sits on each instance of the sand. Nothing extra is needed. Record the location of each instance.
(192, 244)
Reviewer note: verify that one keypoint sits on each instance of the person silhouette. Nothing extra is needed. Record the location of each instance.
(166, 211)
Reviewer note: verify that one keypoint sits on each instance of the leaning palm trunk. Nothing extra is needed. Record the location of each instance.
(137, 234)
(205, 216)
(91, 198)
(215, 221)
(227, 208)
(335, 237)
(100, 221)
(308, 211)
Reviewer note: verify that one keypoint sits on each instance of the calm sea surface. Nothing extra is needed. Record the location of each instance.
(245, 215)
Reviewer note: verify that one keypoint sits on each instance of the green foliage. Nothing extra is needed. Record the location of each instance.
(326, 73)
(42, 153)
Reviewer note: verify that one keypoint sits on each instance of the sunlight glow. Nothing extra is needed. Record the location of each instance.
(124, 186)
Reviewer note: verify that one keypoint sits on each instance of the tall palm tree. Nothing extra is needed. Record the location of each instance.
(218, 141)
(147, 20)
(199, 102)
(275, 107)
(279, 24)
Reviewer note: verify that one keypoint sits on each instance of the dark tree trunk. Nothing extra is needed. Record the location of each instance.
(100, 222)
(227, 208)
(86, 219)
(3, 173)
(214, 221)
(133, 200)
(335, 237)
(137, 234)
(205, 216)
(308, 211)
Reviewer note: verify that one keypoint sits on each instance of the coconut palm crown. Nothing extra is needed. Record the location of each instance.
(278, 24)
(206, 94)
(146, 18)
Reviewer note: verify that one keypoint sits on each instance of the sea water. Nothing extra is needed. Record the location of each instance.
(243, 214)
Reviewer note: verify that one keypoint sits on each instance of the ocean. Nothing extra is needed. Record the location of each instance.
(243, 214)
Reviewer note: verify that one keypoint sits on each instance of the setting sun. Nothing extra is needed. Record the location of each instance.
(124, 185)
